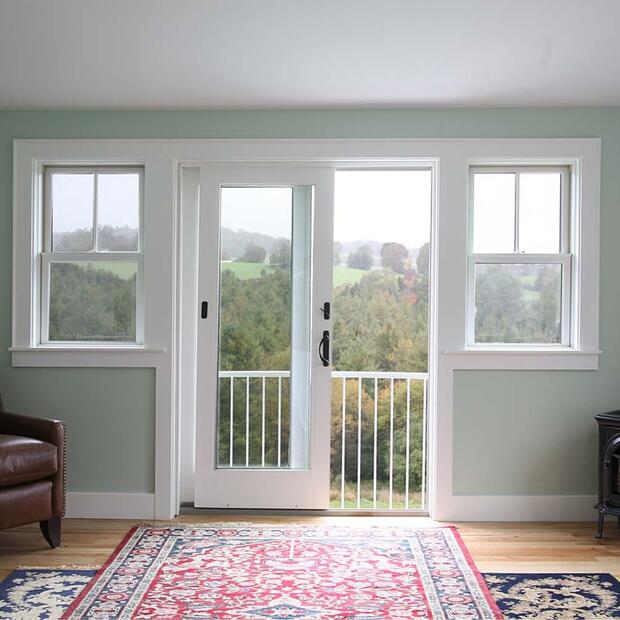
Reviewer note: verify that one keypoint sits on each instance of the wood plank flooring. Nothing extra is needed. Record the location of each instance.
(495, 547)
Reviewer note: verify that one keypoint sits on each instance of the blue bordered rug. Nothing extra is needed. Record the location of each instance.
(44, 594)
(41, 593)
(556, 596)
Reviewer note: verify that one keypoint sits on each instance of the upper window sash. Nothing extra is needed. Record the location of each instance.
(50, 171)
(565, 202)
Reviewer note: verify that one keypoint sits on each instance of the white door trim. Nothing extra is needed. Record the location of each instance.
(162, 218)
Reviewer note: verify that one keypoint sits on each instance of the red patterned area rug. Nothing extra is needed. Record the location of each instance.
(253, 572)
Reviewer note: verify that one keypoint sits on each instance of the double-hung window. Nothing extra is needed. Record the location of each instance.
(520, 261)
(91, 264)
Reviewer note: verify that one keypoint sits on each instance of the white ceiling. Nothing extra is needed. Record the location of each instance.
(308, 53)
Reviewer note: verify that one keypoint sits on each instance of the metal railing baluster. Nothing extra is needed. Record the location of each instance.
(423, 483)
(263, 426)
(279, 421)
(232, 421)
(359, 443)
(344, 400)
(407, 441)
(374, 448)
(247, 421)
(391, 441)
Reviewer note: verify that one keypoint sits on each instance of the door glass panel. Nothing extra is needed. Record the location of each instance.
(380, 339)
(264, 327)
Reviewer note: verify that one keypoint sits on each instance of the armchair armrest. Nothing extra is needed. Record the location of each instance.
(43, 429)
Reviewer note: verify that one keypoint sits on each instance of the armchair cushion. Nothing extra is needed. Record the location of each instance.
(48, 431)
(23, 459)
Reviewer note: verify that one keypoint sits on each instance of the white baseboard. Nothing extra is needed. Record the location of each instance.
(459, 508)
(110, 505)
(519, 508)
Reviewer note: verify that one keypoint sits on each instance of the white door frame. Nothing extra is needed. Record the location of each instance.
(249, 487)
(188, 211)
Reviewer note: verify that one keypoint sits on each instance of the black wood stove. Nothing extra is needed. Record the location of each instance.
(609, 467)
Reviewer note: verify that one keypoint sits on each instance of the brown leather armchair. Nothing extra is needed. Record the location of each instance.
(32, 473)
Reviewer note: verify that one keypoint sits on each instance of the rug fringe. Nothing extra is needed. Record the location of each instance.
(60, 567)
(258, 524)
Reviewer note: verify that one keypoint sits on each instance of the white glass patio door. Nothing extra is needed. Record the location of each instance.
(263, 383)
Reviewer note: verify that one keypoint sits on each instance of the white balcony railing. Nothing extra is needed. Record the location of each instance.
(384, 415)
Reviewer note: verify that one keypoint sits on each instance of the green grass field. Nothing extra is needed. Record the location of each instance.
(366, 496)
(247, 271)
(244, 271)
(122, 270)
(347, 275)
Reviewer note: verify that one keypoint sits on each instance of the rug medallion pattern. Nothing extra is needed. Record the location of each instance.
(255, 572)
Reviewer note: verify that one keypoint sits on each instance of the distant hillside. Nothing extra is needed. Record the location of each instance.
(234, 242)
(347, 247)
(351, 246)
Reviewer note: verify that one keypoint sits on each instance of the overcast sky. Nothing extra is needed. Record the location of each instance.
(383, 206)
(72, 197)
(369, 206)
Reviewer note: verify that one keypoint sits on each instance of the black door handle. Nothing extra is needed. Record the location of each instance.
(324, 348)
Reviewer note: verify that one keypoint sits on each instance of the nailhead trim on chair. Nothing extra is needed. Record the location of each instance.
(64, 462)
(64, 468)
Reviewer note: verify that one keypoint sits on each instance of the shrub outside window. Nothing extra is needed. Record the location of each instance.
(520, 261)
(91, 264)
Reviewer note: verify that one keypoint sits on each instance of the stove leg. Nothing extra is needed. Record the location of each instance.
(601, 523)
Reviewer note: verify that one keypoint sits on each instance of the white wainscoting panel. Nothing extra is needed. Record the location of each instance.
(520, 508)
(110, 505)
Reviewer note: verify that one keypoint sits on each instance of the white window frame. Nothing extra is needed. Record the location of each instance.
(50, 256)
(564, 257)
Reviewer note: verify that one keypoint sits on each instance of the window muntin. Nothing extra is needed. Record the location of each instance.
(91, 264)
(520, 262)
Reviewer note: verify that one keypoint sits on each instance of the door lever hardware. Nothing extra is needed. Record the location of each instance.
(325, 309)
(204, 309)
(324, 348)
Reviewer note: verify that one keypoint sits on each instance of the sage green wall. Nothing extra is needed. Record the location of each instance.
(515, 432)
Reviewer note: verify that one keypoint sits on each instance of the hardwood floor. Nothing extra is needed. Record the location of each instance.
(495, 547)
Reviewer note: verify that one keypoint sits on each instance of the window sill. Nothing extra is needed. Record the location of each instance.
(495, 358)
(67, 356)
